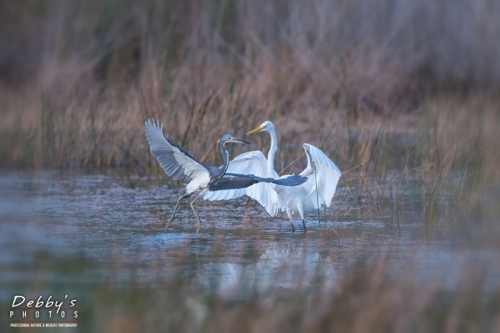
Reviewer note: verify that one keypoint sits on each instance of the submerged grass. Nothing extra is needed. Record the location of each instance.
(368, 296)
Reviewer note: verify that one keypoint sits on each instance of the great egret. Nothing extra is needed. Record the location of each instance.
(321, 173)
(177, 163)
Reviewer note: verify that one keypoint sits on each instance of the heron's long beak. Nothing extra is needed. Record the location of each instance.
(256, 130)
(234, 140)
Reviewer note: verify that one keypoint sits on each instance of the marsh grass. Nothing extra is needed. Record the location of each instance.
(448, 145)
(364, 303)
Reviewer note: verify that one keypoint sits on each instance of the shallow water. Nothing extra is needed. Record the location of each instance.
(80, 230)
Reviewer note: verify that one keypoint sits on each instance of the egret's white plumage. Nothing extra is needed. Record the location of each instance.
(321, 173)
(322, 179)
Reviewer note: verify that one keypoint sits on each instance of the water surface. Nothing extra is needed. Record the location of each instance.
(77, 231)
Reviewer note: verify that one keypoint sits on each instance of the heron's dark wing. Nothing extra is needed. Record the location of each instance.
(292, 180)
(251, 163)
(175, 160)
(231, 183)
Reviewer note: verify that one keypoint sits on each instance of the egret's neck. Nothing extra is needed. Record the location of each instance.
(272, 151)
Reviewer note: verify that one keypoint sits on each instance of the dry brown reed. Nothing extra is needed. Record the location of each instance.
(80, 79)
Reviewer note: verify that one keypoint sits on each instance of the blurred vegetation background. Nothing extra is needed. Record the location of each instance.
(78, 79)
(400, 46)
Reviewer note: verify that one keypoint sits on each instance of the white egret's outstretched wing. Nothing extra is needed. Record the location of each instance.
(175, 160)
(254, 163)
(323, 176)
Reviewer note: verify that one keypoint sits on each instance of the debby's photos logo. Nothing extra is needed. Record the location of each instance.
(43, 312)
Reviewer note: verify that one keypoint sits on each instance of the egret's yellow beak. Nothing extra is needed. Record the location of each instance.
(256, 130)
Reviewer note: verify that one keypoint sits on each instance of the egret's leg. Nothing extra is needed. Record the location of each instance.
(301, 212)
(198, 221)
(289, 213)
(175, 210)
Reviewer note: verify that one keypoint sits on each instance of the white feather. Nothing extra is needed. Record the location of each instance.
(323, 176)
(174, 161)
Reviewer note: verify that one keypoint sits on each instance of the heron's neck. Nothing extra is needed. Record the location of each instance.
(225, 159)
(272, 151)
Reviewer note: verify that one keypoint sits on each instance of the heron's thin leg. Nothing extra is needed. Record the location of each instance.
(304, 224)
(198, 222)
(175, 210)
